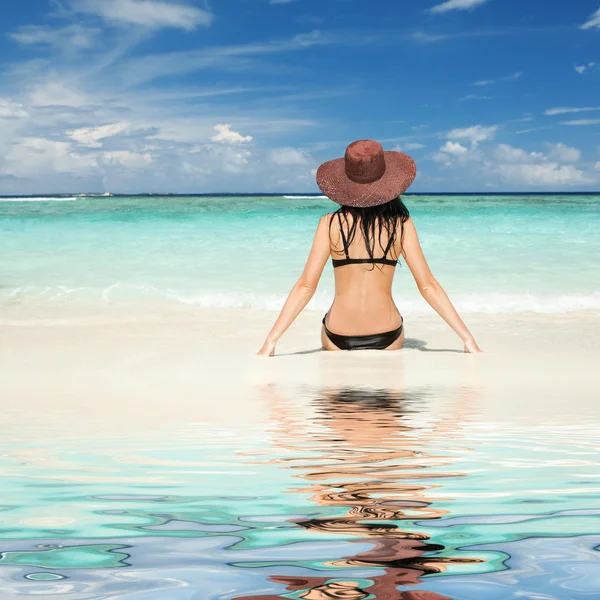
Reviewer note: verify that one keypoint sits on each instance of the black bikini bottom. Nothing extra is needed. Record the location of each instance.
(377, 341)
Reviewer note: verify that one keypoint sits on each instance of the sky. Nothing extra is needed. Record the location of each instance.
(182, 96)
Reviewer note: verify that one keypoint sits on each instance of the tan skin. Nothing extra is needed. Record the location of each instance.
(363, 303)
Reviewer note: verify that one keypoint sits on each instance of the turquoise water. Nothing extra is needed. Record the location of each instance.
(336, 493)
(492, 253)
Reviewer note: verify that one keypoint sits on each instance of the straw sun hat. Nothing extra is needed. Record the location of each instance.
(367, 175)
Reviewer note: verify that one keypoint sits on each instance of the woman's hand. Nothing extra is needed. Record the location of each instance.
(471, 347)
(268, 349)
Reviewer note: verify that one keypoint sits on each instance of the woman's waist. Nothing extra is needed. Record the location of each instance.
(347, 318)
(364, 300)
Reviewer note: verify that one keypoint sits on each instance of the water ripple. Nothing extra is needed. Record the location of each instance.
(343, 493)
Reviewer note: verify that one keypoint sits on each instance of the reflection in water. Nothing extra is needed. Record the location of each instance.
(372, 465)
(185, 511)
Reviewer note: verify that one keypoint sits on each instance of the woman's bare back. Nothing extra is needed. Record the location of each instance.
(363, 303)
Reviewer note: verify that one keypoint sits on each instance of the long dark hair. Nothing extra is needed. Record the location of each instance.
(373, 221)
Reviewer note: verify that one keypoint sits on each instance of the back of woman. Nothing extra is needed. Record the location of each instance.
(364, 238)
(365, 246)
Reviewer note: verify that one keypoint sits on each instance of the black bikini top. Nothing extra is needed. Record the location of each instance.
(384, 260)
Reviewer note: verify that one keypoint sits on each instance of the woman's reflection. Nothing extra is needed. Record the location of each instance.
(372, 461)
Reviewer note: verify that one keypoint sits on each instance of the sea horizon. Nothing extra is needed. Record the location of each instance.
(43, 195)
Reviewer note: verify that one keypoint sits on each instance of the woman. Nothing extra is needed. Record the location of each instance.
(365, 238)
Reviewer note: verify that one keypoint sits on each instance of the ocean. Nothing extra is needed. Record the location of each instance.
(492, 253)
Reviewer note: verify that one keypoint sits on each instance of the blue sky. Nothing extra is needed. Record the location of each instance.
(252, 95)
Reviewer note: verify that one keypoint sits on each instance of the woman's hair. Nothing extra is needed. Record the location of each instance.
(373, 221)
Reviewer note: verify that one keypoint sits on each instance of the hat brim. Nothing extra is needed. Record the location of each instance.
(400, 172)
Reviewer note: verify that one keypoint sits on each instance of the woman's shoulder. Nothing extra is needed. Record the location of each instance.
(326, 218)
(324, 225)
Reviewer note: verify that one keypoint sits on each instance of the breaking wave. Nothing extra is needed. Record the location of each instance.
(40, 199)
(486, 303)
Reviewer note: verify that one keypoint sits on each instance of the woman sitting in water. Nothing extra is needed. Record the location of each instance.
(365, 238)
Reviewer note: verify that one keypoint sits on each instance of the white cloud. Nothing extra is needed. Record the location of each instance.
(227, 135)
(440, 157)
(72, 35)
(309, 39)
(526, 119)
(454, 148)
(581, 122)
(532, 129)
(129, 159)
(475, 134)
(411, 146)
(456, 5)
(36, 157)
(455, 153)
(427, 38)
(229, 159)
(57, 93)
(147, 13)
(11, 110)
(287, 157)
(597, 166)
(505, 164)
(509, 154)
(511, 77)
(91, 136)
(562, 110)
(564, 154)
(474, 97)
(593, 21)
(542, 174)
(235, 57)
(581, 69)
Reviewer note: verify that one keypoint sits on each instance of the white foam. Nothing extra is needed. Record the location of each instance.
(485, 303)
(491, 303)
(39, 199)
(494, 303)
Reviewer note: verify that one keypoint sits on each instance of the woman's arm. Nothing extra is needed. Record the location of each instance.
(430, 289)
(304, 289)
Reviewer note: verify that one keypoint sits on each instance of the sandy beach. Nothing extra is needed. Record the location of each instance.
(147, 363)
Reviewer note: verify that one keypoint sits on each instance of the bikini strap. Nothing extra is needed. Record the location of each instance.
(344, 241)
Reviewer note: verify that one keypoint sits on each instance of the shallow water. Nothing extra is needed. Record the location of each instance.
(328, 493)
(493, 254)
